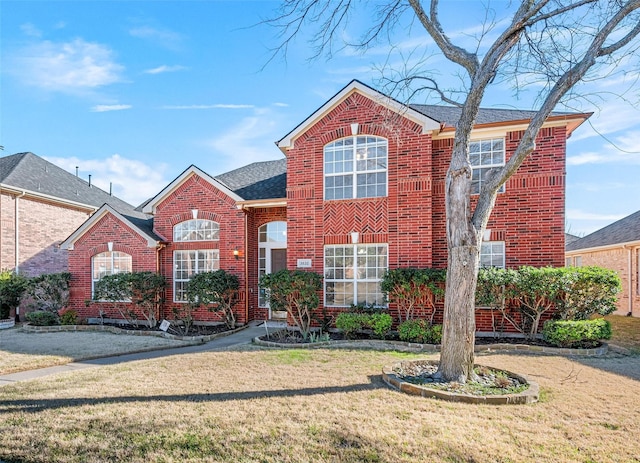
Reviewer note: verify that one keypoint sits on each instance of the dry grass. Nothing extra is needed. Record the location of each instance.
(315, 406)
(20, 351)
(626, 332)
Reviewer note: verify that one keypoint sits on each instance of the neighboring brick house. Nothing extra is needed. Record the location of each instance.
(40, 205)
(616, 247)
(361, 190)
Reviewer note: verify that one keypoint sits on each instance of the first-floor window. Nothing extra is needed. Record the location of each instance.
(352, 274)
(188, 263)
(492, 254)
(108, 263)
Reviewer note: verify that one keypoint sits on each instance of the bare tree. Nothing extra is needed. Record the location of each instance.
(556, 43)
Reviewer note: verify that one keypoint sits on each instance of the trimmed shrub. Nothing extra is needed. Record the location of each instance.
(380, 323)
(69, 317)
(420, 331)
(42, 318)
(413, 289)
(584, 333)
(350, 323)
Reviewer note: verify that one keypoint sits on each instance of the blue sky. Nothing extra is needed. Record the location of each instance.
(133, 92)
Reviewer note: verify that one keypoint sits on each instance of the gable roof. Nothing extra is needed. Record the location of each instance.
(150, 205)
(137, 221)
(625, 230)
(41, 178)
(355, 86)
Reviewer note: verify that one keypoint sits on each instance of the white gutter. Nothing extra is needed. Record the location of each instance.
(603, 248)
(47, 197)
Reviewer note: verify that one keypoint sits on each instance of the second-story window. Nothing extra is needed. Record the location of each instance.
(484, 155)
(196, 230)
(355, 167)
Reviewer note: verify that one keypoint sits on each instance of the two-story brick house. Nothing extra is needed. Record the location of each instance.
(361, 190)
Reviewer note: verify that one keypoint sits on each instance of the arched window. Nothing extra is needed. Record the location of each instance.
(196, 230)
(355, 167)
(109, 263)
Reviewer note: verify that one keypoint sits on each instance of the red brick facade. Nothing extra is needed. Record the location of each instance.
(409, 220)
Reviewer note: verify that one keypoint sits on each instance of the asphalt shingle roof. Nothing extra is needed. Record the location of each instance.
(623, 231)
(260, 180)
(449, 115)
(30, 172)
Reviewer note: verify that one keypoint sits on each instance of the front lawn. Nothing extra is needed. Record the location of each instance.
(253, 405)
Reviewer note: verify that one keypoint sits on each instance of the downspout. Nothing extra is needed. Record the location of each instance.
(159, 248)
(17, 231)
(630, 278)
(246, 267)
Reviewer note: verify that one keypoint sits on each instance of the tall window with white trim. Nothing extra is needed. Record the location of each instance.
(109, 263)
(355, 167)
(484, 155)
(187, 263)
(352, 274)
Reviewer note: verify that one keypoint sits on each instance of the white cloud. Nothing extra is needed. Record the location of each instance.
(624, 149)
(163, 37)
(210, 106)
(30, 30)
(133, 181)
(577, 214)
(69, 66)
(164, 68)
(101, 108)
(250, 140)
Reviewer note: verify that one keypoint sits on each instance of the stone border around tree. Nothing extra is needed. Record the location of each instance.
(528, 396)
(114, 330)
(415, 347)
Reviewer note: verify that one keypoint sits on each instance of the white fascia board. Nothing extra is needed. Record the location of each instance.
(608, 247)
(354, 86)
(150, 207)
(54, 199)
(99, 214)
(276, 202)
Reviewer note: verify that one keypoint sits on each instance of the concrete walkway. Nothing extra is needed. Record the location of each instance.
(241, 337)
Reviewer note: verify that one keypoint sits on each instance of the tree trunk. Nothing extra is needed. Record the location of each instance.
(459, 327)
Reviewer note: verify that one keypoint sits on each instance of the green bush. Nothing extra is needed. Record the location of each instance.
(380, 323)
(69, 317)
(419, 330)
(42, 318)
(584, 333)
(350, 323)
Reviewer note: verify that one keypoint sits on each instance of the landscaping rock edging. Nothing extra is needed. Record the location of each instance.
(7, 323)
(527, 396)
(114, 330)
(415, 347)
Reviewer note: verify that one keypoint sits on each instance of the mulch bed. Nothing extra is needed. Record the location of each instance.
(196, 330)
(294, 337)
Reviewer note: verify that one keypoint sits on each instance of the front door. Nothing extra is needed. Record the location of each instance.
(278, 260)
(272, 257)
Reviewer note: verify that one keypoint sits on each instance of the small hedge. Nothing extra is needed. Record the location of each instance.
(421, 331)
(578, 333)
(350, 323)
(42, 318)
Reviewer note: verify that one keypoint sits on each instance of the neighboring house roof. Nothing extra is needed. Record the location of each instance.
(38, 177)
(626, 230)
(569, 238)
(133, 219)
(260, 180)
